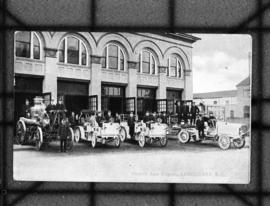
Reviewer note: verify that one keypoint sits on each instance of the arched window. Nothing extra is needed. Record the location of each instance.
(148, 63)
(28, 45)
(72, 50)
(114, 57)
(174, 67)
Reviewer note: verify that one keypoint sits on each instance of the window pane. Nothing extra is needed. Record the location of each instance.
(179, 69)
(23, 40)
(103, 59)
(83, 54)
(73, 50)
(62, 51)
(36, 48)
(173, 71)
(146, 56)
(113, 62)
(146, 67)
(121, 60)
(173, 61)
(113, 51)
(153, 66)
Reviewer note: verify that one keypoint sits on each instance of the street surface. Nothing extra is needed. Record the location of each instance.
(187, 163)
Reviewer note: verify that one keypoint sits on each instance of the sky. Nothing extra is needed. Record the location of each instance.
(220, 61)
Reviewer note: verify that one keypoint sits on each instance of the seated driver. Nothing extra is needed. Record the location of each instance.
(212, 120)
(99, 119)
(147, 119)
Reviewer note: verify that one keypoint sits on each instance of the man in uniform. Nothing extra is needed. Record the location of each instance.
(131, 124)
(164, 118)
(185, 112)
(60, 104)
(63, 133)
(108, 116)
(147, 119)
(50, 106)
(194, 111)
(179, 111)
(99, 119)
(200, 127)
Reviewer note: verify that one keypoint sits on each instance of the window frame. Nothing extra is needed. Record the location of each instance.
(32, 33)
(81, 42)
(151, 58)
(178, 63)
(119, 51)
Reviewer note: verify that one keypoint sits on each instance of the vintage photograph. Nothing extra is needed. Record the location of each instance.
(132, 107)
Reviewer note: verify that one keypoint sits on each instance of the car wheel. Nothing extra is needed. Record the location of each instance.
(94, 141)
(122, 134)
(70, 139)
(183, 137)
(77, 134)
(141, 140)
(38, 138)
(20, 133)
(163, 141)
(239, 143)
(224, 142)
(117, 141)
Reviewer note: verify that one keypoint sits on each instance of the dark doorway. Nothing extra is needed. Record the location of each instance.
(112, 98)
(172, 97)
(75, 94)
(146, 100)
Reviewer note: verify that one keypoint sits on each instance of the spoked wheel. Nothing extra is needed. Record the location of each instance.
(94, 141)
(70, 139)
(183, 137)
(38, 138)
(163, 141)
(122, 134)
(224, 142)
(117, 141)
(141, 140)
(77, 134)
(20, 133)
(239, 143)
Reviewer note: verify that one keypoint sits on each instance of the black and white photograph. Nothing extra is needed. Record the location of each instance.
(132, 107)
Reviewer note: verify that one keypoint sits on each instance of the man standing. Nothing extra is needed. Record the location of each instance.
(200, 127)
(179, 112)
(63, 134)
(185, 112)
(60, 104)
(194, 112)
(131, 124)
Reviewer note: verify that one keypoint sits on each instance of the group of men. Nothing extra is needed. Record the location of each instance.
(186, 113)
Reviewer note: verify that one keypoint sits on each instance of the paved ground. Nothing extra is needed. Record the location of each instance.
(192, 162)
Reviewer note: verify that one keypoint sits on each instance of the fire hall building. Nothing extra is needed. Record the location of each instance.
(121, 72)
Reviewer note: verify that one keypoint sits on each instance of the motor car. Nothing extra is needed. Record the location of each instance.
(223, 133)
(89, 130)
(155, 132)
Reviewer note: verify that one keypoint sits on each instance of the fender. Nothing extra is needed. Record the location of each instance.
(23, 124)
(41, 134)
(82, 132)
(72, 134)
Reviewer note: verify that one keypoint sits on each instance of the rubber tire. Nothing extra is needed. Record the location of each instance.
(186, 136)
(141, 140)
(164, 143)
(70, 140)
(38, 139)
(224, 142)
(20, 140)
(241, 145)
(94, 143)
(77, 134)
(117, 141)
(122, 134)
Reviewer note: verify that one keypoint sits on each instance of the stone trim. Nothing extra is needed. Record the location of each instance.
(50, 52)
(132, 65)
(96, 59)
(187, 72)
(162, 69)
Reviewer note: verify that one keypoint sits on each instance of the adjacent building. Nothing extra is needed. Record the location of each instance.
(121, 72)
(229, 103)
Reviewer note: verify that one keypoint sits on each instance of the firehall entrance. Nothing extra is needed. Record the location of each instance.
(112, 98)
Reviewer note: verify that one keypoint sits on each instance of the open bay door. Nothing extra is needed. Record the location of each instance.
(130, 105)
(47, 98)
(93, 103)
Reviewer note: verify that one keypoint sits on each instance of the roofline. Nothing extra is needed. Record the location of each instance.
(182, 36)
